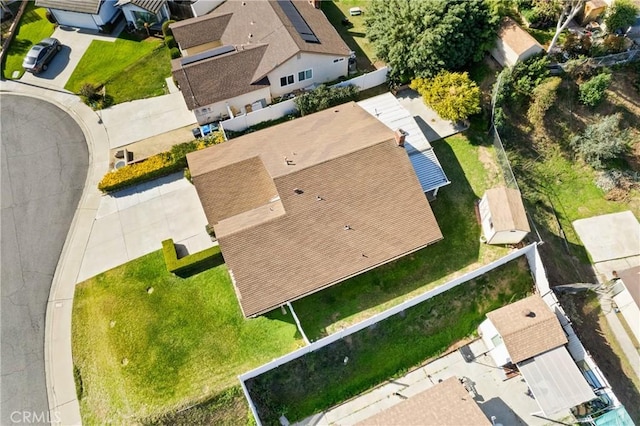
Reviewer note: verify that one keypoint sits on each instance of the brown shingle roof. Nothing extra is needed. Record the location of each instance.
(81, 6)
(515, 37)
(526, 336)
(445, 404)
(222, 77)
(507, 210)
(348, 171)
(152, 6)
(631, 279)
(201, 30)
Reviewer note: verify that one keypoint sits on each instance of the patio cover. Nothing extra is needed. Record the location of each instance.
(555, 380)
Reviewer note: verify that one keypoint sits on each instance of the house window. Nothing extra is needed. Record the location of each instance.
(286, 80)
(338, 60)
(305, 75)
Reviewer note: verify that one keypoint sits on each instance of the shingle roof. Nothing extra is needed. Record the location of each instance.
(445, 404)
(631, 279)
(152, 6)
(526, 336)
(82, 6)
(515, 37)
(507, 210)
(347, 171)
(261, 22)
(222, 77)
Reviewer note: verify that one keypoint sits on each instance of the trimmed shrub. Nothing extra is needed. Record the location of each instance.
(593, 91)
(166, 31)
(170, 42)
(454, 96)
(193, 263)
(324, 97)
(544, 96)
(174, 52)
(620, 15)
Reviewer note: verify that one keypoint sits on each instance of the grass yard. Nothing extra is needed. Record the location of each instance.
(355, 37)
(130, 68)
(33, 27)
(389, 349)
(139, 355)
(471, 167)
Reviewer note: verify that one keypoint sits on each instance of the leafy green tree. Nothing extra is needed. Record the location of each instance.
(593, 91)
(454, 96)
(602, 141)
(418, 38)
(324, 97)
(544, 96)
(620, 15)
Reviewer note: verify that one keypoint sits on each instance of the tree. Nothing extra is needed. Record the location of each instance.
(420, 38)
(544, 96)
(601, 141)
(146, 20)
(569, 11)
(620, 15)
(593, 91)
(454, 96)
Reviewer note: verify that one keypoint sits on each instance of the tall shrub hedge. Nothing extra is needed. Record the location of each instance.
(193, 263)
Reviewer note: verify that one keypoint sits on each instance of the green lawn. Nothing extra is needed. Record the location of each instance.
(130, 68)
(139, 355)
(355, 37)
(321, 379)
(33, 27)
(471, 168)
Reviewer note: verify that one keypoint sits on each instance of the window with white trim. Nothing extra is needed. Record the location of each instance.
(305, 75)
(286, 80)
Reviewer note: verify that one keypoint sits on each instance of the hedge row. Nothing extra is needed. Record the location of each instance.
(156, 166)
(193, 263)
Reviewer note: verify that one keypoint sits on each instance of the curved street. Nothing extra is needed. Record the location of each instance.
(44, 168)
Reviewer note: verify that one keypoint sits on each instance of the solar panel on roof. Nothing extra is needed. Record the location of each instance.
(207, 54)
(298, 22)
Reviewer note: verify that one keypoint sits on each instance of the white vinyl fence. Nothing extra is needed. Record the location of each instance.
(275, 111)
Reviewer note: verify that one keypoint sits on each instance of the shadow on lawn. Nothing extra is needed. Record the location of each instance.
(454, 211)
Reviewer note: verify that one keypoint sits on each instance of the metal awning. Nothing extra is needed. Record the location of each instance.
(428, 170)
(556, 381)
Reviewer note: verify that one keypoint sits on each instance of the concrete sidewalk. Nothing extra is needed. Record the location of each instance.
(431, 124)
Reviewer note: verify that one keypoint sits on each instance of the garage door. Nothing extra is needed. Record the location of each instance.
(75, 20)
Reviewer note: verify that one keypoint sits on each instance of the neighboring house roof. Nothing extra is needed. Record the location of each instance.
(515, 37)
(528, 328)
(348, 201)
(447, 404)
(507, 210)
(218, 78)
(202, 30)
(555, 381)
(631, 279)
(388, 110)
(152, 6)
(81, 6)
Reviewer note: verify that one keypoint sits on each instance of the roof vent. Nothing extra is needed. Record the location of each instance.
(529, 313)
(319, 198)
(289, 162)
(298, 191)
(347, 227)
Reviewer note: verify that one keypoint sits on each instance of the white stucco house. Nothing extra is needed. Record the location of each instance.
(514, 44)
(137, 12)
(85, 14)
(503, 217)
(242, 55)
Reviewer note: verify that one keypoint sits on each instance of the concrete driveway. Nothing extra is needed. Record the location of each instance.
(75, 43)
(44, 167)
(431, 124)
(135, 221)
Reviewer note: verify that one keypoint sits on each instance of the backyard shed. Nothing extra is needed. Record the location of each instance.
(514, 44)
(626, 294)
(503, 218)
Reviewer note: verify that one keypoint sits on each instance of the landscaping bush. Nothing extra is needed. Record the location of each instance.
(593, 91)
(166, 31)
(174, 52)
(170, 42)
(620, 15)
(576, 46)
(324, 97)
(602, 141)
(454, 96)
(613, 44)
(544, 96)
(191, 264)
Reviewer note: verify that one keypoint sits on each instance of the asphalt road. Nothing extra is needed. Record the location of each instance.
(44, 163)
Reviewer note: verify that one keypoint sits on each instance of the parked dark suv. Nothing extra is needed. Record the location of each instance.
(41, 54)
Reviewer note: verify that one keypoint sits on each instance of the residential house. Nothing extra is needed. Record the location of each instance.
(139, 12)
(306, 204)
(84, 14)
(446, 404)
(626, 295)
(503, 217)
(527, 336)
(246, 53)
(514, 44)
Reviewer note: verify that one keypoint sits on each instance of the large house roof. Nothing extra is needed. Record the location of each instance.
(306, 204)
(528, 328)
(221, 77)
(445, 404)
(152, 6)
(507, 210)
(81, 6)
(515, 37)
(200, 30)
